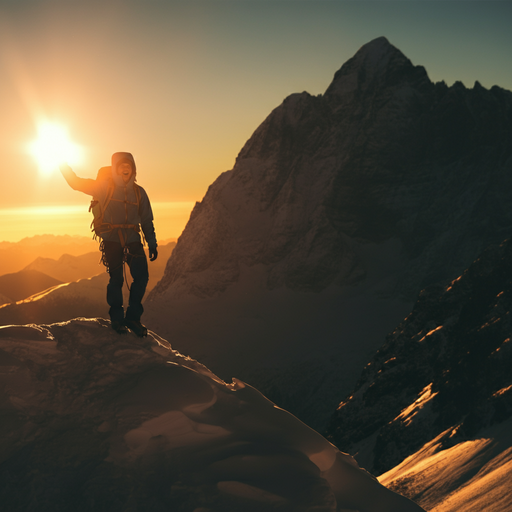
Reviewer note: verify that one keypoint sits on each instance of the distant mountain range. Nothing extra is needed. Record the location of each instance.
(340, 208)
(43, 299)
(15, 256)
(69, 268)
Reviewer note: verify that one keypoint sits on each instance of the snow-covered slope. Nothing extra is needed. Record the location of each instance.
(95, 421)
(340, 208)
(470, 476)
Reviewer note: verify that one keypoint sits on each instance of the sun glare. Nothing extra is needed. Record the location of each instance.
(54, 147)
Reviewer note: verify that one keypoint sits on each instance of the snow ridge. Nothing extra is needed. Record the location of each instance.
(116, 422)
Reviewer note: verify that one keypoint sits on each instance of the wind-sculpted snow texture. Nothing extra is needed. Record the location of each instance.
(338, 211)
(95, 421)
(442, 381)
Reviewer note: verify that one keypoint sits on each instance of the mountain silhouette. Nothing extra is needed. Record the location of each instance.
(69, 268)
(14, 256)
(340, 208)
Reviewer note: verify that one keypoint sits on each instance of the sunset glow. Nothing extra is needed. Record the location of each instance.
(75, 220)
(54, 147)
(184, 85)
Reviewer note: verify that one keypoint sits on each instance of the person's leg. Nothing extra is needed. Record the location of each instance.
(114, 257)
(138, 264)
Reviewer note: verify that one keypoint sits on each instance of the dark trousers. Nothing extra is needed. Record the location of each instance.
(138, 264)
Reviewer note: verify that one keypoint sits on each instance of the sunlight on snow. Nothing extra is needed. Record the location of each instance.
(425, 397)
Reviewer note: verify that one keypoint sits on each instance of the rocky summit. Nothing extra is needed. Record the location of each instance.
(339, 210)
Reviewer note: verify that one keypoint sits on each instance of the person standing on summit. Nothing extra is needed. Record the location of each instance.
(124, 208)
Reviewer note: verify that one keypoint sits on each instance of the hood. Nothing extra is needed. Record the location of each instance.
(118, 158)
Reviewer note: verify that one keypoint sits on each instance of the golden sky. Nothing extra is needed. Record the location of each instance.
(183, 84)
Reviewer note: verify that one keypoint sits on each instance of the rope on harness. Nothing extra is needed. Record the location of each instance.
(126, 254)
(103, 258)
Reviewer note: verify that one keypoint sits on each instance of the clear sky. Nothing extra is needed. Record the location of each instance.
(183, 84)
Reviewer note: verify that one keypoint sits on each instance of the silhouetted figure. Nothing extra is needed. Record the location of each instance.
(121, 208)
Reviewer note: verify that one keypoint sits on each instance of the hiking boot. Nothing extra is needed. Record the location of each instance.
(136, 327)
(119, 327)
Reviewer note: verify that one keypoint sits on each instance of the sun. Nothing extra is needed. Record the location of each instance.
(54, 147)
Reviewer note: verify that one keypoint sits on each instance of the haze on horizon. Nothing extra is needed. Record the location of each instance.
(184, 85)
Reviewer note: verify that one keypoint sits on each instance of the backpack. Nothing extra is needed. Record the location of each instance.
(98, 209)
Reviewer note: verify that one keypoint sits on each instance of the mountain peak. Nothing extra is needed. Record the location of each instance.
(374, 63)
(377, 50)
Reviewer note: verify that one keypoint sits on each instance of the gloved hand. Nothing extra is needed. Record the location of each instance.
(153, 253)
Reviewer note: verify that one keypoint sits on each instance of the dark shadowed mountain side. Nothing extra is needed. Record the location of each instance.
(95, 421)
(14, 256)
(22, 284)
(339, 210)
(442, 380)
(86, 297)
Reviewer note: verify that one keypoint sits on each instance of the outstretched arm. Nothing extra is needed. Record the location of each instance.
(87, 186)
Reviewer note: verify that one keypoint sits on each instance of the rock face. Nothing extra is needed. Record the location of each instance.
(95, 421)
(443, 373)
(339, 210)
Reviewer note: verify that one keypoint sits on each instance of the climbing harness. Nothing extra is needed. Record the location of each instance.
(124, 262)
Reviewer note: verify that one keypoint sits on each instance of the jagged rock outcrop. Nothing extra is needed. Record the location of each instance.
(445, 371)
(339, 210)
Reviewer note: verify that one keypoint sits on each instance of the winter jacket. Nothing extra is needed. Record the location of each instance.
(122, 208)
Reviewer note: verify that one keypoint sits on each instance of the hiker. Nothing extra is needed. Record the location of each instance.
(124, 206)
